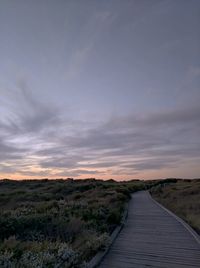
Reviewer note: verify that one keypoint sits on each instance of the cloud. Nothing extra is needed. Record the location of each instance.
(166, 135)
(39, 143)
(7, 169)
(97, 22)
(10, 152)
(100, 164)
(153, 164)
(61, 162)
(77, 172)
(35, 116)
(28, 122)
(27, 114)
(77, 61)
(136, 134)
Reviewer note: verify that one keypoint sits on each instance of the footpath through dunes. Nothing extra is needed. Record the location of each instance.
(152, 237)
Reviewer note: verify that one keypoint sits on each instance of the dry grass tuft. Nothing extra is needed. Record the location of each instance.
(183, 198)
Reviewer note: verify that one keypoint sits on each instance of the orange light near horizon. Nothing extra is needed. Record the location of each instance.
(38, 173)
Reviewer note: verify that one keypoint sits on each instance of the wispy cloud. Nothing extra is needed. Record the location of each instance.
(36, 142)
(97, 22)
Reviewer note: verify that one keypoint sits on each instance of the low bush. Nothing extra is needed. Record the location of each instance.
(58, 223)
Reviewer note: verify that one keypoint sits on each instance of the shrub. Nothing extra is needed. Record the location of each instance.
(52, 223)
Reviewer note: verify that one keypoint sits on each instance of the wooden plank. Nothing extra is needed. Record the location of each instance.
(151, 237)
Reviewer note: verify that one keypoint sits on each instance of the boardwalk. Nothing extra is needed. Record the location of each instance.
(152, 238)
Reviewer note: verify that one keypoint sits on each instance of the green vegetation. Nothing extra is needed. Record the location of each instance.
(58, 223)
(182, 197)
(64, 223)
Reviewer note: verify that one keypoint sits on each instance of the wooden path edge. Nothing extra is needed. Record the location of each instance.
(186, 225)
(97, 259)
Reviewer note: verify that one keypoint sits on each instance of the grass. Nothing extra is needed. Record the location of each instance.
(58, 223)
(183, 198)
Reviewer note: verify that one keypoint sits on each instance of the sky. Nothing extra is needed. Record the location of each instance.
(104, 89)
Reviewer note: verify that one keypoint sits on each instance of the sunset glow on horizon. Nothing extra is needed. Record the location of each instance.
(100, 89)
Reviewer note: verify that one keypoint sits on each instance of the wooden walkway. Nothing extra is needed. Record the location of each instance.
(152, 237)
